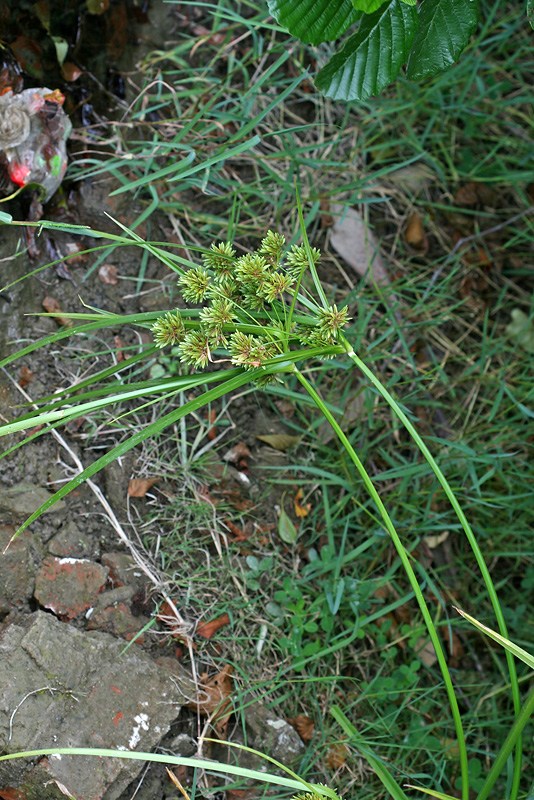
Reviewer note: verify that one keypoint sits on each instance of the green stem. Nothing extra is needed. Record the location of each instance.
(470, 537)
(411, 577)
(509, 743)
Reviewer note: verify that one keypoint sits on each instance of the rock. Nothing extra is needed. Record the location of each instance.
(16, 568)
(71, 542)
(266, 733)
(123, 570)
(63, 687)
(69, 586)
(23, 500)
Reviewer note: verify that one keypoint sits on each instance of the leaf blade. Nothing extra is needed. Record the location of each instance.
(372, 57)
(314, 21)
(443, 33)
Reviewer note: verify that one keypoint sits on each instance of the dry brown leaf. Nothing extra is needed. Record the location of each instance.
(285, 408)
(237, 453)
(216, 699)
(337, 755)
(26, 376)
(353, 241)
(301, 510)
(70, 71)
(434, 540)
(415, 234)
(52, 307)
(212, 430)
(117, 341)
(207, 629)
(138, 487)
(279, 441)
(424, 650)
(466, 195)
(304, 726)
(108, 274)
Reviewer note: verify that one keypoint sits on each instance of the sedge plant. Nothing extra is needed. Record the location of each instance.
(249, 320)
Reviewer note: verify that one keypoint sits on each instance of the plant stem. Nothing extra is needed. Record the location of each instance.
(470, 537)
(409, 572)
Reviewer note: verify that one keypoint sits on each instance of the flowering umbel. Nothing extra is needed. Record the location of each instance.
(245, 310)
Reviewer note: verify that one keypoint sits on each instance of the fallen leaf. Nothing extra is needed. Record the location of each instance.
(434, 540)
(215, 699)
(138, 487)
(279, 441)
(304, 726)
(300, 510)
(413, 177)
(237, 452)
(26, 376)
(212, 430)
(285, 408)
(466, 195)
(207, 629)
(118, 348)
(52, 307)
(521, 331)
(415, 234)
(70, 71)
(238, 533)
(352, 240)
(337, 755)
(424, 650)
(108, 274)
(286, 527)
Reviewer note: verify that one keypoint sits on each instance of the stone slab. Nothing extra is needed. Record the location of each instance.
(62, 687)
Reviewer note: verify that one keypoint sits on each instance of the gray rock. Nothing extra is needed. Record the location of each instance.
(63, 687)
(23, 500)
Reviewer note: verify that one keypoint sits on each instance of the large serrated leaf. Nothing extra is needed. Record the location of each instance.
(367, 6)
(372, 57)
(443, 33)
(314, 21)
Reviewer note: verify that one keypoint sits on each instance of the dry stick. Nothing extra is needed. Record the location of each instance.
(115, 524)
(466, 239)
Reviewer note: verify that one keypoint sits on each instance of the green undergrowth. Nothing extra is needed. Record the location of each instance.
(214, 145)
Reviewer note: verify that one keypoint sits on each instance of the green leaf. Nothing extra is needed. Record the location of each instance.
(367, 6)
(512, 648)
(314, 21)
(5, 217)
(530, 12)
(372, 57)
(443, 33)
(286, 528)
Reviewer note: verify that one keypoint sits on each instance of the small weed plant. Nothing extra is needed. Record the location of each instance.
(256, 320)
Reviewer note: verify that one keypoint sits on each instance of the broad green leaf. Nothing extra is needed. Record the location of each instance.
(314, 21)
(443, 33)
(517, 651)
(410, 2)
(367, 6)
(286, 529)
(5, 217)
(372, 57)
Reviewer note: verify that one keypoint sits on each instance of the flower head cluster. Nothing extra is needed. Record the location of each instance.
(168, 329)
(234, 293)
(330, 321)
